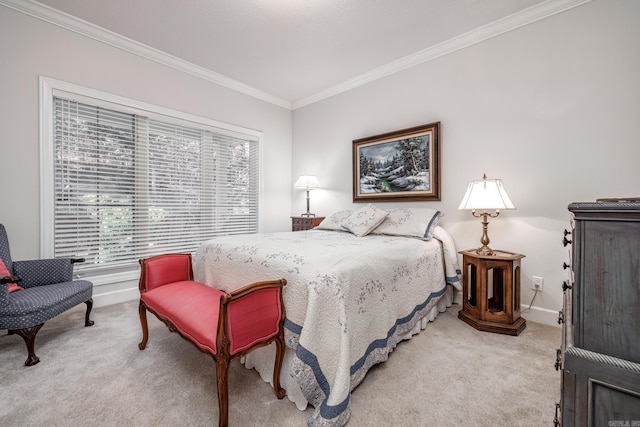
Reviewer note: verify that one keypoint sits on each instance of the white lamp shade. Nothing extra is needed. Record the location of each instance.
(487, 194)
(307, 181)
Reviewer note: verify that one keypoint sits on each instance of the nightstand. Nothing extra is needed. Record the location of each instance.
(299, 223)
(491, 292)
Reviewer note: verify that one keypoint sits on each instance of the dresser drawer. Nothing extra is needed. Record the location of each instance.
(599, 390)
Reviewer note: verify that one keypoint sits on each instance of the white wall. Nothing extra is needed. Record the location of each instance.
(552, 108)
(30, 47)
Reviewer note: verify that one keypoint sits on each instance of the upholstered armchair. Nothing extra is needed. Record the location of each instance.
(32, 292)
(223, 325)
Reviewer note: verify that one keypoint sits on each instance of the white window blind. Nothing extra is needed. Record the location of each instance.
(130, 185)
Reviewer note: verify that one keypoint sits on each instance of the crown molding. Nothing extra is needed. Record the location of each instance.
(509, 23)
(79, 26)
(527, 16)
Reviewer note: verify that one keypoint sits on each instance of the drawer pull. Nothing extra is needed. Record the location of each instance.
(556, 420)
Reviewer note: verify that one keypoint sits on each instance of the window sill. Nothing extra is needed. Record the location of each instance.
(109, 278)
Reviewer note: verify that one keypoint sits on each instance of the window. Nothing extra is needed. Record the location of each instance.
(130, 182)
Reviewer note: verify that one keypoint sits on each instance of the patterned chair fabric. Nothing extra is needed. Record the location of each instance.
(48, 290)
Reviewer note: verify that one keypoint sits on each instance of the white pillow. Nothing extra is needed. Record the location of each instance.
(362, 221)
(334, 221)
(411, 222)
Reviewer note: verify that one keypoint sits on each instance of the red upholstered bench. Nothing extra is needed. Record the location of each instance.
(224, 325)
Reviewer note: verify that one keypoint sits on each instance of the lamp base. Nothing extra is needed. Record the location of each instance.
(484, 240)
(484, 250)
(307, 213)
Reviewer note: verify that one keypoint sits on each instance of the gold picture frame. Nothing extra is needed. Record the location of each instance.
(398, 166)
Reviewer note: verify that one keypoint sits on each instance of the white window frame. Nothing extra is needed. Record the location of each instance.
(49, 87)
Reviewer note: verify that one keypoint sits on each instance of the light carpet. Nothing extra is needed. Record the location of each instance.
(448, 375)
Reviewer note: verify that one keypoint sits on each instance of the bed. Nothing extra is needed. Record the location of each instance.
(356, 286)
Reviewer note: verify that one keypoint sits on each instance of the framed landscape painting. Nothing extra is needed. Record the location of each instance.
(398, 166)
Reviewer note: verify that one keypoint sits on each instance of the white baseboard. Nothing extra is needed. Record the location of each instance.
(534, 314)
(115, 297)
(540, 315)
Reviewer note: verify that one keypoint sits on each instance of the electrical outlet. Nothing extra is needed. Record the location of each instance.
(537, 283)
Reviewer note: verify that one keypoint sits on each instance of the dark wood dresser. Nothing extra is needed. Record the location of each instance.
(600, 353)
(300, 223)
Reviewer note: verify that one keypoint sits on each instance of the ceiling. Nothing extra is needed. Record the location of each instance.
(294, 49)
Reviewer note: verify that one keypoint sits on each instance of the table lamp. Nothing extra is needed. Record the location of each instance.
(486, 195)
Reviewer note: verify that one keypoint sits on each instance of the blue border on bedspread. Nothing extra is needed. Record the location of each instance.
(455, 280)
(380, 349)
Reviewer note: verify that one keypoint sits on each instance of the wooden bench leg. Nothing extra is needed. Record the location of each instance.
(222, 370)
(142, 310)
(280, 392)
(29, 337)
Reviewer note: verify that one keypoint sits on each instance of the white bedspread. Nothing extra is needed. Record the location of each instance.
(349, 300)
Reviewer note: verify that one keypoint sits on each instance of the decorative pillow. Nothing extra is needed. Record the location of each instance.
(362, 221)
(334, 221)
(14, 287)
(411, 222)
(4, 271)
